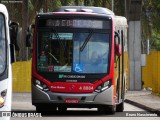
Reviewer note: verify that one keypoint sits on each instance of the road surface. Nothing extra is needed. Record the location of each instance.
(93, 114)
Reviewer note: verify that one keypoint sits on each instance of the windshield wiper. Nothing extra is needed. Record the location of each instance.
(86, 41)
(53, 57)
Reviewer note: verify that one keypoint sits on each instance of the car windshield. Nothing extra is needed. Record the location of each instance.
(2, 45)
(73, 52)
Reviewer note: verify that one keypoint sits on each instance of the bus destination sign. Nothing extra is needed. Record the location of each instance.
(78, 23)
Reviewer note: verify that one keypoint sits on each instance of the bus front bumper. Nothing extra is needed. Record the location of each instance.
(89, 99)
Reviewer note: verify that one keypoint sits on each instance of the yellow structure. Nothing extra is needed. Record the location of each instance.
(21, 76)
(151, 72)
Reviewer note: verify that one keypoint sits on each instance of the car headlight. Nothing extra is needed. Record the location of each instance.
(104, 86)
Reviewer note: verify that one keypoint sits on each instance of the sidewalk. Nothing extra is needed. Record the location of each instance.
(22, 101)
(144, 99)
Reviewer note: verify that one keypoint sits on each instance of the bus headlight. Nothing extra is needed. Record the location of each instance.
(2, 97)
(41, 85)
(1, 101)
(104, 86)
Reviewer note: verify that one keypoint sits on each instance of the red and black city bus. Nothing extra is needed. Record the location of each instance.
(79, 59)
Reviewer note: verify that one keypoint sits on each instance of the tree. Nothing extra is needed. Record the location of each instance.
(97, 3)
(35, 6)
(150, 23)
(24, 29)
(106, 4)
(66, 2)
(88, 2)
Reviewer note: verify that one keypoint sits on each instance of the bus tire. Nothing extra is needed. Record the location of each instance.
(39, 109)
(120, 107)
(45, 109)
(108, 109)
(112, 110)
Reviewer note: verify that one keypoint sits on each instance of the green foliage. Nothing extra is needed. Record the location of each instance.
(88, 2)
(151, 22)
(155, 44)
(97, 3)
(54, 5)
(66, 2)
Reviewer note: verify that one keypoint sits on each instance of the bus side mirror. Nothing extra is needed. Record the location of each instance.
(118, 50)
(13, 28)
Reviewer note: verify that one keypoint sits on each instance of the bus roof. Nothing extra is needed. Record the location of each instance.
(90, 9)
(120, 21)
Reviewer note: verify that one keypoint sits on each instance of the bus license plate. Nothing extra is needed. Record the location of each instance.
(71, 100)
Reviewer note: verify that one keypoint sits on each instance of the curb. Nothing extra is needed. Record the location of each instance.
(143, 107)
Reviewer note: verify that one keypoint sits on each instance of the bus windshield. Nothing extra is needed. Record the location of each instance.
(2, 44)
(73, 45)
(61, 51)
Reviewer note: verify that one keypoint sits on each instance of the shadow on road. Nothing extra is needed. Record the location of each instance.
(74, 114)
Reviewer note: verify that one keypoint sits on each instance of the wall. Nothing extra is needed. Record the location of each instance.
(151, 72)
(21, 76)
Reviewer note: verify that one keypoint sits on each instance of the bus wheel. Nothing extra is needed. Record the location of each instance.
(112, 110)
(39, 108)
(107, 110)
(120, 107)
(45, 109)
